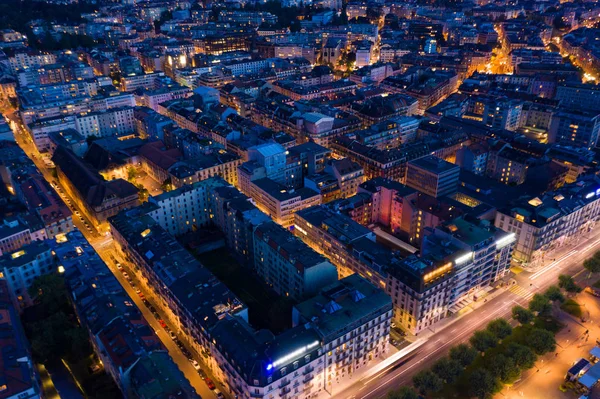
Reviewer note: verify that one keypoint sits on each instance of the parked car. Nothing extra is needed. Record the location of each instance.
(210, 384)
(162, 323)
(126, 275)
(219, 393)
(172, 335)
(201, 373)
(119, 266)
(195, 364)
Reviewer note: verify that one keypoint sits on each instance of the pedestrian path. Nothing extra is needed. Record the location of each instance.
(520, 291)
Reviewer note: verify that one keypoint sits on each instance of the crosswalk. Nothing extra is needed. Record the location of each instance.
(520, 291)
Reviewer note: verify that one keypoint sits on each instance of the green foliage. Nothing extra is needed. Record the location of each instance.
(447, 369)
(500, 328)
(482, 384)
(483, 340)
(568, 284)
(463, 354)
(131, 173)
(503, 368)
(592, 264)
(522, 315)
(572, 308)
(541, 304)
(554, 294)
(90, 139)
(522, 355)
(167, 185)
(15, 14)
(541, 341)
(53, 329)
(404, 392)
(427, 381)
(49, 294)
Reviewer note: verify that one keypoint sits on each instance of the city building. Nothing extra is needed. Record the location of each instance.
(17, 370)
(279, 202)
(432, 176)
(543, 224)
(96, 197)
(21, 267)
(288, 265)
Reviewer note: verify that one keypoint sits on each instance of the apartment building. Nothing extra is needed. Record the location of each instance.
(288, 265)
(30, 59)
(21, 267)
(20, 379)
(186, 208)
(112, 122)
(42, 200)
(279, 202)
(544, 224)
(349, 175)
(334, 235)
(18, 231)
(458, 261)
(342, 329)
(579, 128)
(432, 176)
(191, 297)
(237, 217)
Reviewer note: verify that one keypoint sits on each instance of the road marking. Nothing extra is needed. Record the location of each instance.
(518, 290)
(551, 265)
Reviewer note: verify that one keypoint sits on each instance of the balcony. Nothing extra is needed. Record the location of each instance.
(308, 378)
(308, 387)
(285, 391)
(308, 370)
(284, 383)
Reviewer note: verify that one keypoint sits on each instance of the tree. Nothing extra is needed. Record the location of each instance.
(404, 392)
(447, 369)
(49, 293)
(91, 139)
(463, 354)
(131, 173)
(540, 304)
(554, 294)
(503, 368)
(592, 265)
(427, 382)
(500, 328)
(167, 185)
(483, 340)
(523, 355)
(482, 384)
(541, 341)
(568, 284)
(522, 315)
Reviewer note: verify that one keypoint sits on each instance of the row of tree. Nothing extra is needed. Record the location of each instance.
(496, 355)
